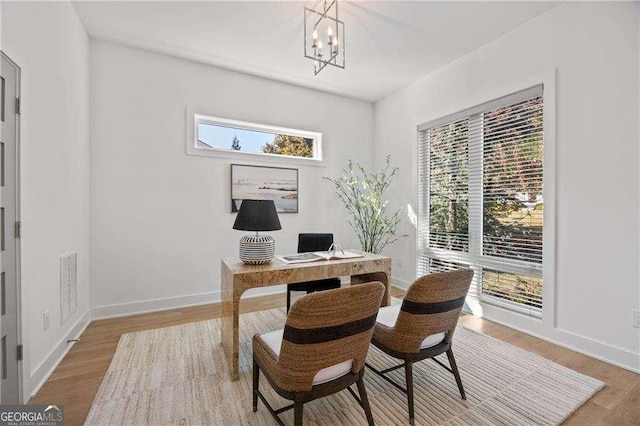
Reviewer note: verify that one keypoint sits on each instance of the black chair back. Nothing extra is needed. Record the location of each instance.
(314, 242)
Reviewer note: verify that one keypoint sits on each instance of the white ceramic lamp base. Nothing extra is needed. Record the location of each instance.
(257, 249)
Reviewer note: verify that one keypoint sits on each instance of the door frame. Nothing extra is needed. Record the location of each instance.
(18, 241)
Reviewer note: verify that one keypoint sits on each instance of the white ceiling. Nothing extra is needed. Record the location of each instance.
(389, 44)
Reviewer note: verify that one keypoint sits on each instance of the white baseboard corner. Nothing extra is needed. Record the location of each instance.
(42, 371)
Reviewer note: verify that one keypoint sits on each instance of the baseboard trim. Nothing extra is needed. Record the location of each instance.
(610, 354)
(153, 305)
(584, 345)
(588, 346)
(176, 302)
(41, 373)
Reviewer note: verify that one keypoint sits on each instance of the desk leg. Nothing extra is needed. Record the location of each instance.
(383, 277)
(230, 322)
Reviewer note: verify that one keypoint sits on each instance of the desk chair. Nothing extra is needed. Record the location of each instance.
(422, 326)
(321, 350)
(308, 243)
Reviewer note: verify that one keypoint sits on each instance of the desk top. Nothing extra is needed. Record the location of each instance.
(237, 267)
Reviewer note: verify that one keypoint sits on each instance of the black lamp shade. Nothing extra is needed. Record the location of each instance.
(257, 215)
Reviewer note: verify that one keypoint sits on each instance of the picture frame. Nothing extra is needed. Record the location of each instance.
(280, 184)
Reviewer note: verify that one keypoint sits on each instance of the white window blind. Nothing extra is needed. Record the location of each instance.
(480, 198)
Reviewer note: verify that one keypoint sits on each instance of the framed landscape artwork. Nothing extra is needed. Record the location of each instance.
(264, 183)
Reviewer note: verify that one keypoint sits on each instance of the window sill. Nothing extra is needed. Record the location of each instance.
(254, 156)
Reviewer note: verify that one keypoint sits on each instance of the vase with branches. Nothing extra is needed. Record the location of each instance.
(362, 194)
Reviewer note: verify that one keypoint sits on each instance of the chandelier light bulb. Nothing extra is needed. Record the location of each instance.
(319, 23)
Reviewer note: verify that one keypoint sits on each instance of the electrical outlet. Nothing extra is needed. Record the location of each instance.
(46, 320)
(636, 318)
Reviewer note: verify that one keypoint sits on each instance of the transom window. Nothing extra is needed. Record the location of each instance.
(237, 137)
(481, 199)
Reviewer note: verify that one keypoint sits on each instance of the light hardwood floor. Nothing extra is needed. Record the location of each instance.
(76, 380)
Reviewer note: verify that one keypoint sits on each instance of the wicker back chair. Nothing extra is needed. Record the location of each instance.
(321, 350)
(423, 325)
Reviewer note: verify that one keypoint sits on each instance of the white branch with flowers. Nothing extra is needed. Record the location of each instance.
(362, 194)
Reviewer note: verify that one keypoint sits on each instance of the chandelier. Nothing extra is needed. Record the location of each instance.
(320, 27)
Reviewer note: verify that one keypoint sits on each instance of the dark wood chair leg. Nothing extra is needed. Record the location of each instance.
(297, 413)
(256, 380)
(365, 400)
(456, 373)
(408, 373)
(288, 300)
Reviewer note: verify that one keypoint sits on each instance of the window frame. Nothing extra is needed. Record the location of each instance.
(193, 119)
(478, 303)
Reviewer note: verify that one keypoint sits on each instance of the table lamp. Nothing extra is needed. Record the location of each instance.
(257, 215)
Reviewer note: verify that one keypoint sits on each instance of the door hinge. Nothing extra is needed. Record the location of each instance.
(20, 352)
(18, 105)
(18, 229)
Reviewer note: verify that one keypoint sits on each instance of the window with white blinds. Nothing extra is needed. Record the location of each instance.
(480, 198)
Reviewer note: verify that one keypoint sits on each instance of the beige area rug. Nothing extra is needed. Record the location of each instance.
(178, 375)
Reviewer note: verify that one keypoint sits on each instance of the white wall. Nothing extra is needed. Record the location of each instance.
(594, 47)
(50, 45)
(160, 220)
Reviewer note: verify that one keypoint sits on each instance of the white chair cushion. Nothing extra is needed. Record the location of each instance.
(274, 341)
(388, 316)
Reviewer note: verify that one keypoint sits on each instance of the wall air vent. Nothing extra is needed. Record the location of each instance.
(68, 285)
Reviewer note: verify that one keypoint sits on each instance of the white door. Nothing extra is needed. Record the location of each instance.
(9, 233)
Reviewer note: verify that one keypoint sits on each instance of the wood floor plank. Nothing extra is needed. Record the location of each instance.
(627, 411)
(589, 414)
(76, 380)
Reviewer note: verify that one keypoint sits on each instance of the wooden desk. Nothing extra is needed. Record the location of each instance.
(238, 277)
